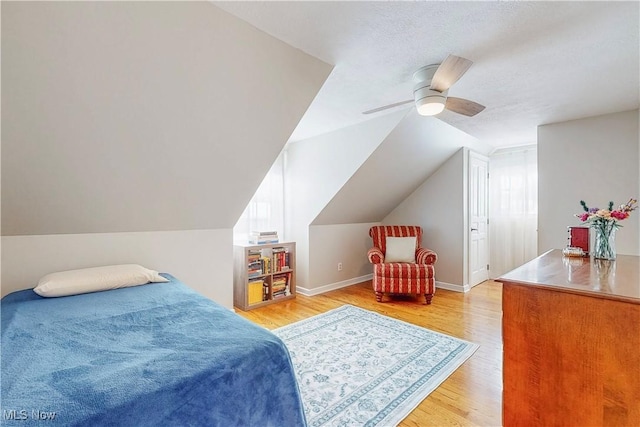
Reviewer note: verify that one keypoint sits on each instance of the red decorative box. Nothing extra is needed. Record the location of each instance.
(579, 238)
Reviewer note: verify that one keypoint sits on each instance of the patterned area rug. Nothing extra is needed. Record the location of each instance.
(359, 368)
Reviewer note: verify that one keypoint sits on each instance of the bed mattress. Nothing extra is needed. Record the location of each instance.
(151, 355)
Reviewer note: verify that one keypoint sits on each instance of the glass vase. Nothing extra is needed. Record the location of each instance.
(605, 240)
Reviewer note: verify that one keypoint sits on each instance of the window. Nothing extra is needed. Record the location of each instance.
(513, 208)
(265, 211)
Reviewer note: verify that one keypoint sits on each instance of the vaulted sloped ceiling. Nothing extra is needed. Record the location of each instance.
(141, 116)
(413, 151)
(535, 62)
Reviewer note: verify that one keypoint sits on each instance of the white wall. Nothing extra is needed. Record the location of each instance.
(315, 170)
(415, 148)
(439, 206)
(141, 116)
(340, 243)
(408, 155)
(595, 159)
(199, 258)
(127, 117)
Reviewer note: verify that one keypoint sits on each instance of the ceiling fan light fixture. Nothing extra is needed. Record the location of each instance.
(428, 102)
(432, 84)
(431, 105)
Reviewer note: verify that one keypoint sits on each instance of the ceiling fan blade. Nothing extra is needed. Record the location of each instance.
(449, 72)
(463, 106)
(396, 104)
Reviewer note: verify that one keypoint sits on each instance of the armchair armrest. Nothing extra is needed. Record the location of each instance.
(375, 255)
(426, 256)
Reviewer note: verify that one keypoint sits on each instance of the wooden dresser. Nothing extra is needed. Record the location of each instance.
(571, 333)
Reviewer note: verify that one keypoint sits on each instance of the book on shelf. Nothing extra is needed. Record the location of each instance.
(280, 292)
(256, 291)
(253, 256)
(282, 276)
(266, 264)
(258, 264)
(280, 285)
(281, 259)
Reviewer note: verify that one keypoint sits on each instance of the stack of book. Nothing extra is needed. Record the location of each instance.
(258, 264)
(280, 286)
(263, 237)
(255, 264)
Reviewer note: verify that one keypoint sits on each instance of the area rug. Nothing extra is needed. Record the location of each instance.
(359, 368)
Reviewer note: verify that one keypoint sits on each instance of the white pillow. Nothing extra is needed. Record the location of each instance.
(401, 249)
(95, 279)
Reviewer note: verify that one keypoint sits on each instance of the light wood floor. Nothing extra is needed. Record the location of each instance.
(472, 395)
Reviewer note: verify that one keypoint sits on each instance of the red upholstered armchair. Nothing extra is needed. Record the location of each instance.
(408, 276)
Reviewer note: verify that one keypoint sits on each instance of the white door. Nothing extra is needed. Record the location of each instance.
(478, 219)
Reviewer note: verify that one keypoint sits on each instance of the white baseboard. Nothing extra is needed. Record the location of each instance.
(332, 286)
(452, 287)
(353, 281)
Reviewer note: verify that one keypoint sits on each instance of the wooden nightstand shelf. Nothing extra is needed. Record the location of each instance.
(263, 274)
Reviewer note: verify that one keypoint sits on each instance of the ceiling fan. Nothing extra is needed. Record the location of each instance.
(432, 84)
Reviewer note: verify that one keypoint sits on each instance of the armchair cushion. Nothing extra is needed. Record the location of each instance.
(403, 270)
(401, 249)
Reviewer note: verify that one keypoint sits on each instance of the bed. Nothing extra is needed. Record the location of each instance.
(150, 355)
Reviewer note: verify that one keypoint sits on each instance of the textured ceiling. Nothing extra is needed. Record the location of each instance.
(534, 62)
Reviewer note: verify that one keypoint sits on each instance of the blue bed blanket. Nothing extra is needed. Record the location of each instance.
(153, 355)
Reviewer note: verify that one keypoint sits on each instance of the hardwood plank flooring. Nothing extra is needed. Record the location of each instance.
(472, 395)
